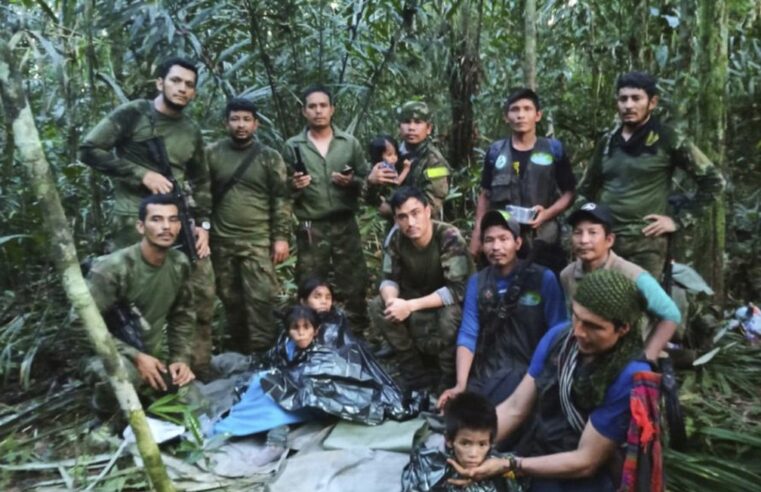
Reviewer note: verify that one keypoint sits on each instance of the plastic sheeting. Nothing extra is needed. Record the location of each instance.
(344, 381)
(428, 470)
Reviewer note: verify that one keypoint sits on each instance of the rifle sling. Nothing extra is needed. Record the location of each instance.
(221, 191)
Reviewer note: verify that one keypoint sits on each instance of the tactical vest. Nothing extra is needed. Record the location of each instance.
(537, 187)
(507, 337)
(552, 432)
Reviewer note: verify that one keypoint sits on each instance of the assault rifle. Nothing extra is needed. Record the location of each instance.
(125, 323)
(187, 239)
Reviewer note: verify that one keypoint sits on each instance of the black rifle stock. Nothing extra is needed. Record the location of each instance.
(124, 322)
(299, 165)
(187, 239)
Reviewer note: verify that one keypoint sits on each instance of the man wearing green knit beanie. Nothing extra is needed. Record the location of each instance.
(577, 391)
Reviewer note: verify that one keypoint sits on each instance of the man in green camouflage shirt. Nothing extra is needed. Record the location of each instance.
(117, 147)
(429, 170)
(250, 227)
(425, 268)
(328, 172)
(153, 278)
(631, 173)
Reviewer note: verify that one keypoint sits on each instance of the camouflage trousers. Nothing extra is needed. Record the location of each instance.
(103, 398)
(647, 252)
(432, 332)
(201, 280)
(334, 245)
(247, 286)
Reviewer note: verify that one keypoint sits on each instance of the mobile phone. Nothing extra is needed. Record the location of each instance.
(347, 170)
(299, 165)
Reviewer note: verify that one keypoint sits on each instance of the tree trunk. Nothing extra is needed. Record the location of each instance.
(710, 130)
(464, 78)
(31, 155)
(529, 51)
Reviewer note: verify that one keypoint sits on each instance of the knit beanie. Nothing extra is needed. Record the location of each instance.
(611, 295)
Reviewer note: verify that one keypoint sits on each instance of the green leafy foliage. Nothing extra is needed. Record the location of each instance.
(81, 58)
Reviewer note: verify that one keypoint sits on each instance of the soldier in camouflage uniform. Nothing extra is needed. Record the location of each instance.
(152, 277)
(429, 170)
(425, 268)
(116, 147)
(631, 173)
(326, 194)
(250, 226)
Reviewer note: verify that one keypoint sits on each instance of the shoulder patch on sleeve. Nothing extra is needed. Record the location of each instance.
(436, 172)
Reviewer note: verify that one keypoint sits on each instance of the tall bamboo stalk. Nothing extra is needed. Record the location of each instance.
(32, 157)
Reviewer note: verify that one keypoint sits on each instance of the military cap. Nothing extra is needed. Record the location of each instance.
(413, 110)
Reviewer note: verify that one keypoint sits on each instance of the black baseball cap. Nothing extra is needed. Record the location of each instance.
(595, 212)
(500, 218)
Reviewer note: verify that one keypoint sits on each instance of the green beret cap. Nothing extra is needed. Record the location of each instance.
(611, 295)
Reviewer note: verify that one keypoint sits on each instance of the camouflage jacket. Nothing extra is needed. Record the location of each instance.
(161, 294)
(116, 147)
(443, 266)
(257, 207)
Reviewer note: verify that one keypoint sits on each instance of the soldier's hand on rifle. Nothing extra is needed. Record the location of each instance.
(300, 180)
(659, 225)
(150, 369)
(156, 182)
(279, 251)
(181, 373)
(202, 242)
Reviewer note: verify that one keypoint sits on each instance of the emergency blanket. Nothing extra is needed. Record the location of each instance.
(343, 381)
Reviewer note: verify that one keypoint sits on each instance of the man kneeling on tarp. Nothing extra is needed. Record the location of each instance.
(578, 387)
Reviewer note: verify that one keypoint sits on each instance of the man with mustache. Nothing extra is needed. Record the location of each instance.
(327, 171)
(425, 267)
(631, 173)
(151, 277)
(509, 306)
(578, 392)
(592, 241)
(117, 147)
(250, 227)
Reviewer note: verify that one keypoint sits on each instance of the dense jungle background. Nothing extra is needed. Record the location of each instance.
(81, 58)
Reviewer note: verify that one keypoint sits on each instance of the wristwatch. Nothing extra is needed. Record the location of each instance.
(206, 225)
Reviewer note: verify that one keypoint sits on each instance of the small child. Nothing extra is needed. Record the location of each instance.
(383, 148)
(470, 426)
(257, 411)
(333, 327)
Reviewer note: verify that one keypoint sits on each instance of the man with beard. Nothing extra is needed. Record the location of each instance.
(509, 306)
(631, 173)
(578, 390)
(429, 171)
(152, 278)
(250, 227)
(328, 171)
(117, 147)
